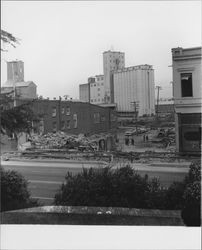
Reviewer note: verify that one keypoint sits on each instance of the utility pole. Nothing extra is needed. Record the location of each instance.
(136, 106)
(157, 111)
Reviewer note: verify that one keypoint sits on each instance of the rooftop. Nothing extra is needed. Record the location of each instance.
(17, 84)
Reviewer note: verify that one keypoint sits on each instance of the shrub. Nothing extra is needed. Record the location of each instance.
(192, 204)
(14, 191)
(174, 195)
(122, 187)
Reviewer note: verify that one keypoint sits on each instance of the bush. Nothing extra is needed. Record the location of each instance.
(122, 187)
(192, 204)
(14, 191)
(174, 196)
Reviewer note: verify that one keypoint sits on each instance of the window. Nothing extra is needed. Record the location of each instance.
(96, 117)
(75, 120)
(98, 99)
(62, 125)
(68, 124)
(95, 100)
(98, 89)
(91, 100)
(103, 118)
(67, 110)
(95, 85)
(54, 126)
(193, 135)
(186, 84)
(62, 110)
(54, 112)
(98, 94)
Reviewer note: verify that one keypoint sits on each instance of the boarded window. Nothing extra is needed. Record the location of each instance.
(186, 84)
(68, 124)
(75, 120)
(103, 118)
(67, 110)
(54, 126)
(54, 112)
(96, 117)
(62, 125)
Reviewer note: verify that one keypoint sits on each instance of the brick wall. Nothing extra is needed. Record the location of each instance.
(74, 117)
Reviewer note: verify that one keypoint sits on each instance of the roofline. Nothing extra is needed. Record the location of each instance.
(14, 61)
(69, 101)
(113, 52)
(191, 48)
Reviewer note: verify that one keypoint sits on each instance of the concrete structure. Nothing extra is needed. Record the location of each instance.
(72, 117)
(21, 90)
(187, 80)
(112, 60)
(15, 84)
(134, 86)
(84, 92)
(123, 88)
(97, 90)
(15, 71)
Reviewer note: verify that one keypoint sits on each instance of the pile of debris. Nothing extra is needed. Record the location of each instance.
(61, 140)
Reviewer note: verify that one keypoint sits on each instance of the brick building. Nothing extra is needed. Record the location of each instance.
(72, 117)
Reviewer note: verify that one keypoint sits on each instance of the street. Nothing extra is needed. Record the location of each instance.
(45, 177)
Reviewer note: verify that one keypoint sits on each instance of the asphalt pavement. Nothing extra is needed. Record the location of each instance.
(46, 177)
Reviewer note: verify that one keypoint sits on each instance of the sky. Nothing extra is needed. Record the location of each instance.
(62, 42)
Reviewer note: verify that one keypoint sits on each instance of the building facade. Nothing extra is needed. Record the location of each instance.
(187, 80)
(72, 117)
(97, 90)
(112, 60)
(15, 83)
(15, 71)
(133, 89)
(84, 92)
(130, 90)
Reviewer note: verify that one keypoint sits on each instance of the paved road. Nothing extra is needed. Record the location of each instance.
(45, 178)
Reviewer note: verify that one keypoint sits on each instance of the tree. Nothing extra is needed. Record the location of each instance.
(16, 119)
(14, 191)
(8, 38)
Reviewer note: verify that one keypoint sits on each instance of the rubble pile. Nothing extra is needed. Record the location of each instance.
(61, 140)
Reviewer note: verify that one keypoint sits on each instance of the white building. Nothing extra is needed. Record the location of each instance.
(121, 87)
(97, 90)
(134, 88)
(112, 60)
(187, 80)
(84, 92)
